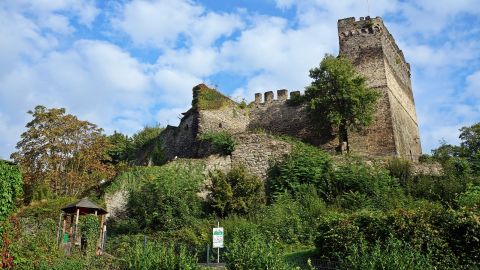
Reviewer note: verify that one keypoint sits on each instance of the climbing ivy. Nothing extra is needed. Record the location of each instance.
(10, 188)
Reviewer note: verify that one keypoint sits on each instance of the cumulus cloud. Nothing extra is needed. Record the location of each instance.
(161, 23)
(56, 53)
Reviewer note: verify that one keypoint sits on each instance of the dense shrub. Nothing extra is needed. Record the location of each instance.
(292, 220)
(222, 141)
(305, 165)
(449, 237)
(470, 199)
(236, 192)
(355, 185)
(392, 254)
(153, 255)
(443, 188)
(249, 249)
(10, 188)
(168, 202)
(400, 169)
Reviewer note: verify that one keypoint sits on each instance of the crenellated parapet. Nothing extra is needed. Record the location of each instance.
(374, 27)
(269, 98)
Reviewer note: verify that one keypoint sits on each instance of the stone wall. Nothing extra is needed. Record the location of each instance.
(374, 53)
(181, 141)
(256, 151)
(229, 118)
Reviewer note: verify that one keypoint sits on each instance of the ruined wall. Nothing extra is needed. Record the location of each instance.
(374, 53)
(181, 141)
(278, 116)
(361, 43)
(256, 151)
(230, 118)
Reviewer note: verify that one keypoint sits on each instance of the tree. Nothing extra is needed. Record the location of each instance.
(62, 153)
(121, 149)
(470, 137)
(339, 97)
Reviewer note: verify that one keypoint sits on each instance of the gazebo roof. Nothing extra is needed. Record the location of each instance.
(85, 206)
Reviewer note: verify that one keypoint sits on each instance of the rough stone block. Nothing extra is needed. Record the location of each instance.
(258, 98)
(282, 94)
(268, 96)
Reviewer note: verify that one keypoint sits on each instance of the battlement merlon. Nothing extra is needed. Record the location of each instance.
(282, 96)
(367, 25)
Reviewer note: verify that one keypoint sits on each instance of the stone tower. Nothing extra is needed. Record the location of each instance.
(374, 53)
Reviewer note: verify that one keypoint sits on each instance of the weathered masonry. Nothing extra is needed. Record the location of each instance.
(374, 53)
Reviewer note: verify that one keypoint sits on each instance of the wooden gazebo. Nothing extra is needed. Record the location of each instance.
(68, 227)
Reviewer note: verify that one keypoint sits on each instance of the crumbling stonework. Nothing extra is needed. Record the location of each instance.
(373, 52)
(257, 151)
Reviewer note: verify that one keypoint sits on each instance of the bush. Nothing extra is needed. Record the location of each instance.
(445, 188)
(236, 192)
(400, 169)
(10, 188)
(449, 237)
(222, 142)
(290, 220)
(156, 256)
(470, 199)
(355, 185)
(248, 249)
(305, 165)
(168, 202)
(393, 254)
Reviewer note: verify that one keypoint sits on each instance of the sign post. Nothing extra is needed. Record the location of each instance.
(218, 240)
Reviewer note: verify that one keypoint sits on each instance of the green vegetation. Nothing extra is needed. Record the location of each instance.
(222, 141)
(158, 256)
(205, 98)
(61, 153)
(236, 192)
(341, 210)
(339, 97)
(10, 188)
(145, 145)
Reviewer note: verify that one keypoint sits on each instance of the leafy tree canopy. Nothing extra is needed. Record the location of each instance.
(340, 97)
(61, 152)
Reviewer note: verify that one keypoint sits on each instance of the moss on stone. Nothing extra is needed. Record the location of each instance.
(205, 98)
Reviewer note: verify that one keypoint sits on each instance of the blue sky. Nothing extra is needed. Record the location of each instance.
(126, 64)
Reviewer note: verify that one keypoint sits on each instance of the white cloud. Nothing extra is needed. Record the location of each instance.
(176, 85)
(161, 23)
(42, 61)
(170, 116)
(94, 80)
(473, 87)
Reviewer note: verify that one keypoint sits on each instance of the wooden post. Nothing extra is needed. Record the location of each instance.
(101, 233)
(59, 237)
(76, 225)
(63, 228)
(70, 231)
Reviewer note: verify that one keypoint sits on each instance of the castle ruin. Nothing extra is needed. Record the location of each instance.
(371, 48)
